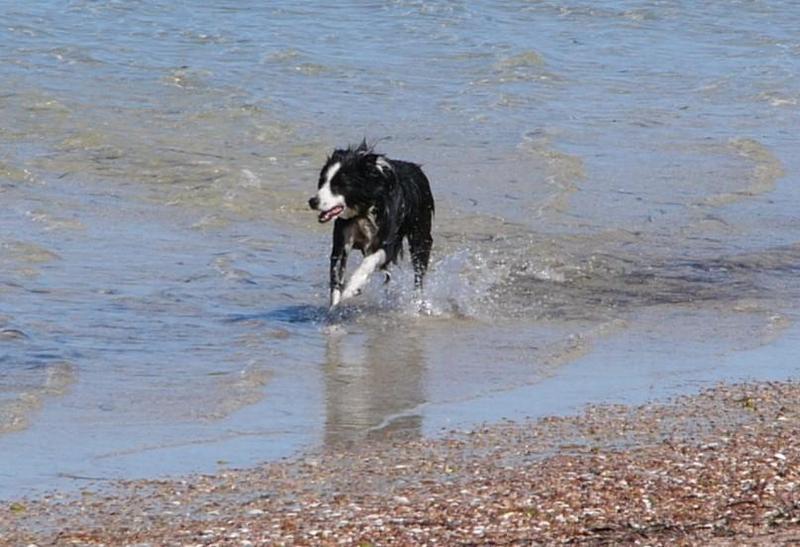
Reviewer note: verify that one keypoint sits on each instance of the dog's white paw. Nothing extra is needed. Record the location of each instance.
(350, 293)
(336, 297)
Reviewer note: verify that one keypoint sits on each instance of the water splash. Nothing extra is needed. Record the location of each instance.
(457, 285)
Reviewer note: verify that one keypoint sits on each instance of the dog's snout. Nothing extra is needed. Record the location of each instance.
(313, 202)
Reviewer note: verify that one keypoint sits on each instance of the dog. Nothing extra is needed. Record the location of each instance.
(377, 202)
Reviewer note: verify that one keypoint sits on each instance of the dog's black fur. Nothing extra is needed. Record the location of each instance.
(377, 202)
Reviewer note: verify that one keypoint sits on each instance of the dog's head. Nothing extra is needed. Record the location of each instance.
(349, 183)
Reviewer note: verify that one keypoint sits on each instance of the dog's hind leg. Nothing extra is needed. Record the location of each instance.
(361, 275)
(420, 244)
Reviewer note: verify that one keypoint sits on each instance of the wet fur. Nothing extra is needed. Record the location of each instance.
(384, 202)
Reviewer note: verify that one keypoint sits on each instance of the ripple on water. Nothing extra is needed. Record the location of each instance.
(27, 389)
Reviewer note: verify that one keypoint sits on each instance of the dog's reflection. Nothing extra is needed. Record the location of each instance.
(373, 385)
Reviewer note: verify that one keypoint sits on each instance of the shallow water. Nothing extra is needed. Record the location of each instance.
(616, 219)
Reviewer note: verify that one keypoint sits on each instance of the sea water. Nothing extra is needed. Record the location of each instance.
(616, 186)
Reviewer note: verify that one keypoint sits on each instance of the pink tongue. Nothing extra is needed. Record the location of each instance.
(327, 215)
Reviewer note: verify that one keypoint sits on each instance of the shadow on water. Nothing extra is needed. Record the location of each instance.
(373, 371)
(303, 313)
(596, 286)
(373, 385)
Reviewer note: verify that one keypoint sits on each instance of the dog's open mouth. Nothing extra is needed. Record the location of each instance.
(325, 216)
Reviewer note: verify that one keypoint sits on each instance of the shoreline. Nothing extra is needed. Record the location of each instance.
(720, 467)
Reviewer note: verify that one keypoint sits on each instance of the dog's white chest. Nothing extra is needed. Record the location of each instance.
(362, 233)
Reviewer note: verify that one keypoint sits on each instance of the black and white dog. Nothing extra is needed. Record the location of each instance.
(376, 202)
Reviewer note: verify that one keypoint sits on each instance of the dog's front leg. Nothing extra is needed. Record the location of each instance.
(361, 275)
(338, 263)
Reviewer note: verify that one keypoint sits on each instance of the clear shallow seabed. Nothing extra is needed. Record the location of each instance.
(617, 201)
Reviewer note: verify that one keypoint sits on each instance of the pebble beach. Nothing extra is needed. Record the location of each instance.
(721, 467)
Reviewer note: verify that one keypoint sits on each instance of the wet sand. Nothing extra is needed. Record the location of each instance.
(721, 467)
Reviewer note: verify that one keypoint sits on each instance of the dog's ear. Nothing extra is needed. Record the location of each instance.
(338, 155)
(363, 148)
(379, 163)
